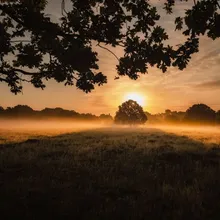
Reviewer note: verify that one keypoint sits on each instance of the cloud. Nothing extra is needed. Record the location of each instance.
(214, 84)
(208, 56)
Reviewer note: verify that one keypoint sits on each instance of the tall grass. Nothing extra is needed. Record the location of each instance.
(110, 174)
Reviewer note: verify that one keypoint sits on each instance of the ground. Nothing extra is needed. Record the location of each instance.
(110, 173)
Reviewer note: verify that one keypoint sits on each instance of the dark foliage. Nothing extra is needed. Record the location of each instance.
(24, 111)
(105, 117)
(130, 113)
(173, 116)
(19, 110)
(42, 49)
(168, 111)
(200, 113)
(218, 117)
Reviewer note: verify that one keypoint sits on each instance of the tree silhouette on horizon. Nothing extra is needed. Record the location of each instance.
(130, 112)
(41, 49)
(200, 113)
(218, 116)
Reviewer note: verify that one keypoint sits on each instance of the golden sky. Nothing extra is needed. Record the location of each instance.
(175, 90)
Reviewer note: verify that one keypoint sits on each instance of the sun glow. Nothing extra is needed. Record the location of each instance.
(140, 99)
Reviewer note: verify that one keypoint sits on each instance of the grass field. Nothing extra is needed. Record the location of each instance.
(110, 173)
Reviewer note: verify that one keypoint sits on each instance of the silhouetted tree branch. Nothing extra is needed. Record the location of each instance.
(3, 80)
(63, 10)
(108, 51)
(68, 43)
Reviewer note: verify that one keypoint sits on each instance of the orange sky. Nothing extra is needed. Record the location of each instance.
(176, 90)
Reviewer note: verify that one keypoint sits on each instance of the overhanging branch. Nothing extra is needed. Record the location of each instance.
(63, 7)
(11, 15)
(29, 73)
(218, 4)
(25, 80)
(3, 80)
(108, 51)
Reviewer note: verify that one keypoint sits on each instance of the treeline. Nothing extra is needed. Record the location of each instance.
(196, 114)
(24, 111)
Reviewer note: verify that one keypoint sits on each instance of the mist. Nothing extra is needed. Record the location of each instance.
(76, 125)
(24, 128)
(49, 125)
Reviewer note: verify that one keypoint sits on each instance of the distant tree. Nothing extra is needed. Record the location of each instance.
(148, 114)
(23, 111)
(152, 119)
(104, 117)
(20, 110)
(58, 112)
(41, 49)
(2, 111)
(200, 113)
(218, 117)
(130, 112)
(168, 111)
(173, 116)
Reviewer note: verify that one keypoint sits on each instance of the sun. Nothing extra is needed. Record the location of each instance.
(140, 99)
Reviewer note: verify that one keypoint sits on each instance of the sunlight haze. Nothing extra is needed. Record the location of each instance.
(139, 98)
(118, 138)
(175, 89)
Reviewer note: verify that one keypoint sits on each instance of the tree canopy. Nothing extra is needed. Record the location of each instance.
(34, 48)
(200, 113)
(218, 116)
(130, 112)
(24, 111)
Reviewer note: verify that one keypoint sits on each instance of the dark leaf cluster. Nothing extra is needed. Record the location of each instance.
(40, 49)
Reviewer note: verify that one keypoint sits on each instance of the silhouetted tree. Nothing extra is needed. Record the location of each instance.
(152, 119)
(58, 112)
(200, 113)
(173, 116)
(168, 111)
(41, 49)
(19, 110)
(24, 111)
(130, 113)
(104, 117)
(218, 117)
(88, 116)
(2, 111)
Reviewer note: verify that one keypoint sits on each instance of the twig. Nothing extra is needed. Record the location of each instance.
(218, 5)
(28, 73)
(108, 51)
(63, 7)
(50, 58)
(1, 60)
(25, 80)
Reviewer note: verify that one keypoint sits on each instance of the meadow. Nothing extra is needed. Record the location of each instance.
(108, 172)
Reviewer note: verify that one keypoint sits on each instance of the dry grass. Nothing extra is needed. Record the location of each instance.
(110, 173)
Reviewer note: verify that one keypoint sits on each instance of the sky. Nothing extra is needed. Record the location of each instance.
(176, 90)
